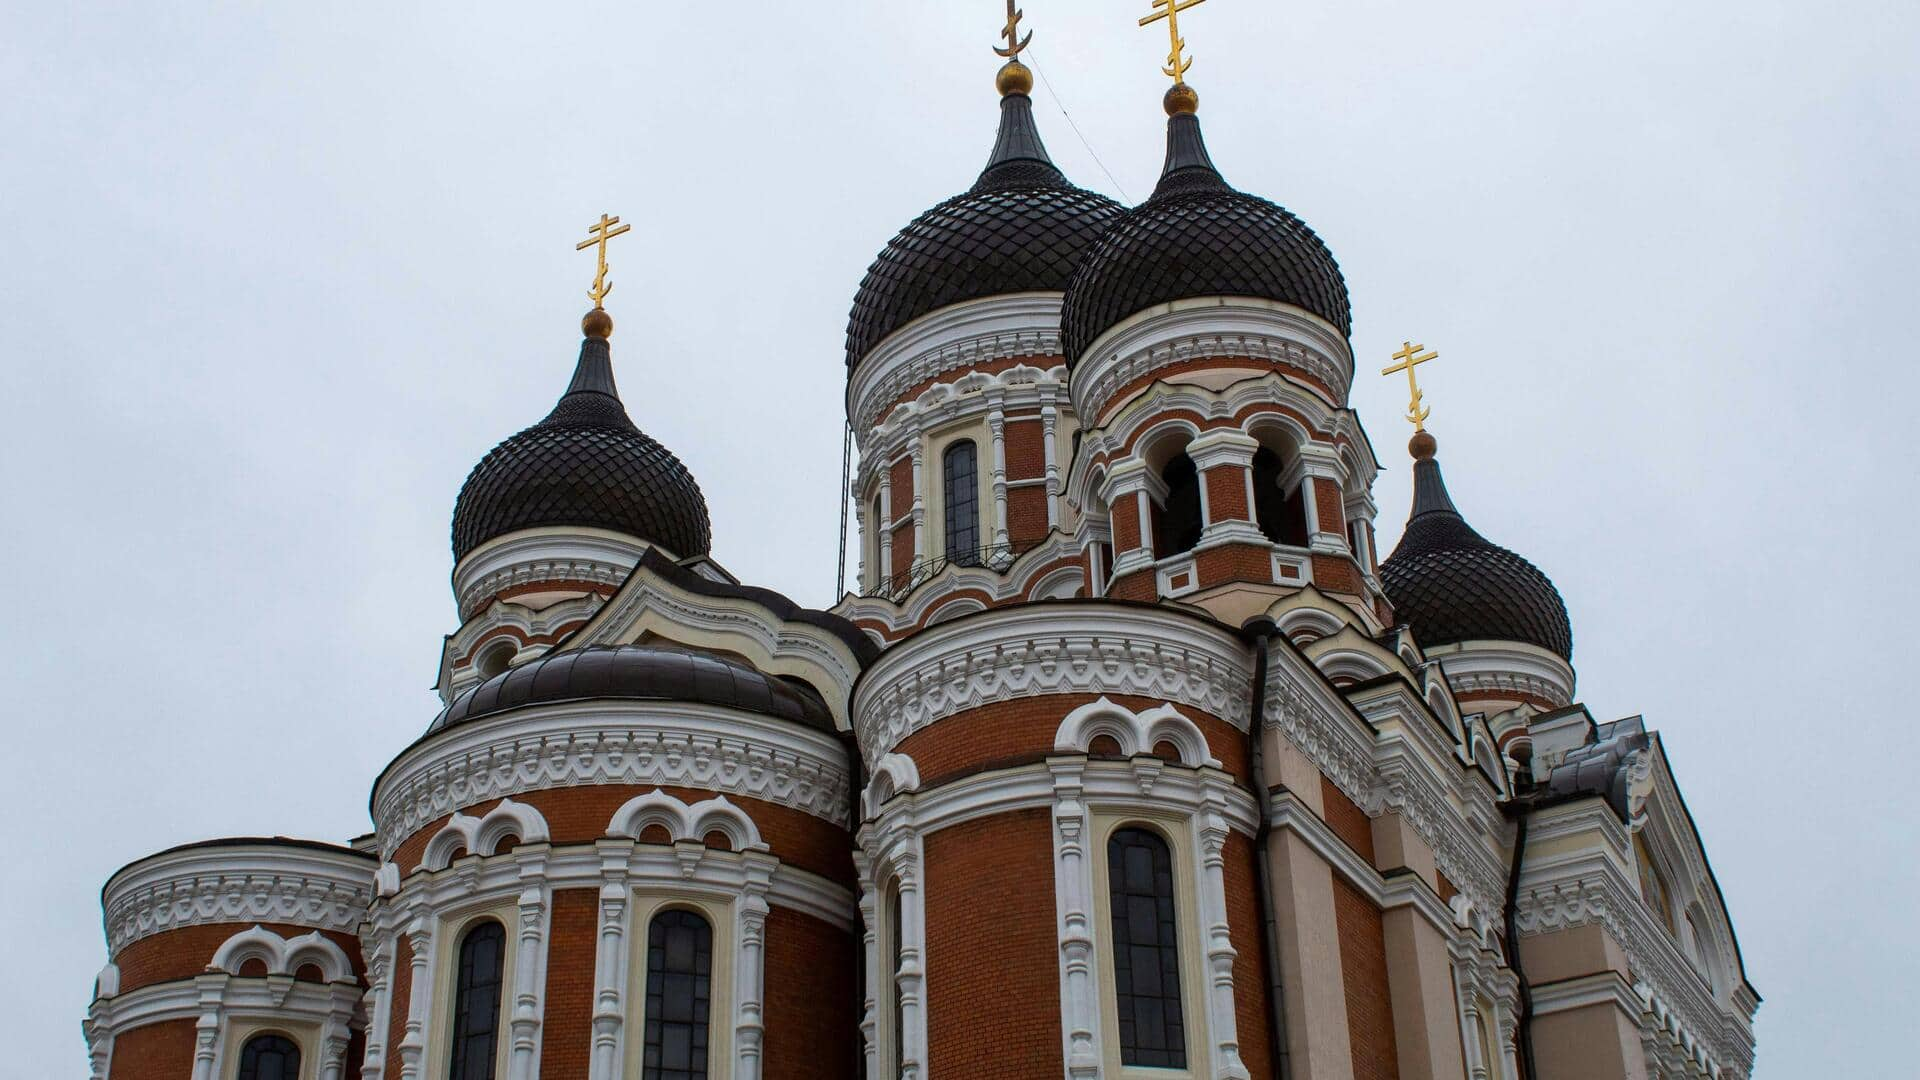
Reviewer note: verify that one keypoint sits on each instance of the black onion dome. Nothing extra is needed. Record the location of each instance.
(585, 465)
(1451, 584)
(1022, 227)
(638, 673)
(1197, 236)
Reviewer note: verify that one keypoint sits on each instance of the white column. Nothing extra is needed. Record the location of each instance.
(1073, 903)
(1230, 448)
(870, 957)
(1210, 836)
(378, 948)
(413, 1043)
(1049, 420)
(610, 962)
(997, 426)
(99, 1045)
(335, 1034)
(1126, 481)
(206, 1032)
(919, 500)
(529, 970)
(885, 569)
(910, 979)
(860, 530)
(749, 980)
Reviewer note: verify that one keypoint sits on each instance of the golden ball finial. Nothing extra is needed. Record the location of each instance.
(1014, 78)
(1181, 99)
(597, 323)
(1423, 445)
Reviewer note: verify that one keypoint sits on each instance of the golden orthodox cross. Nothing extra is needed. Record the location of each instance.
(599, 233)
(1410, 357)
(1011, 32)
(1170, 10)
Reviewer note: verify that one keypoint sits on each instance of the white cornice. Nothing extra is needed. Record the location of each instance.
(532, 556)
(1079, 647)
(1505, 667)
(973, 332)
(1209, 327)
(971, 395)
(234, 883)
(611, 742)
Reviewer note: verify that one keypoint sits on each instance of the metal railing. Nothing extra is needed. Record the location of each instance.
(996, 557)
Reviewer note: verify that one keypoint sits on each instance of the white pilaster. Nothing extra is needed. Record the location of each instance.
(1049, 421)
(919, 501)
(529, 969)
(413, 1042)
(610, 965)
(997, 425)
(750, 930)
(1210, 838)
(1073, 902)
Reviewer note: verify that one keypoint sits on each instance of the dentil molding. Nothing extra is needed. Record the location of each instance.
(238, 883)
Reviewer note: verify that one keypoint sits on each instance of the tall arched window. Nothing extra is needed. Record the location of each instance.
(1281, 516)
(1146, 953)
(1177, 524)
(679, 996)
(476, 1002)
(961, 470)
(270, 1057)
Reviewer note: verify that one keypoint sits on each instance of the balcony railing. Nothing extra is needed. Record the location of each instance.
(997, 558)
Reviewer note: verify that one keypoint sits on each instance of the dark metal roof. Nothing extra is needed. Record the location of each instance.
(638, 673)
(586, 465)
(1451, 584)
(1022, 227)
(1598, 769)
(865, 650)
(1197, 236)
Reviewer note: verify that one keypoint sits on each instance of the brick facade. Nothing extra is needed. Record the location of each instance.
(185, 952)
(812, 1004)
(566, 1042)
(1363, 969)
(162, 1051)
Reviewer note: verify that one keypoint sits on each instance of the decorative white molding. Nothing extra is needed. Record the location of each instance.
(1033, 570)
(283, 956)
(1505, 667)
(1031, 650)
(976, 395)
(685, 822)
(893, 774)
(672, 744)
(238, 882)
(1173, 333)
(960, 335)
(537, 556)
(479, 836)
(1136, 732)
(488, 628)
(322, 1016)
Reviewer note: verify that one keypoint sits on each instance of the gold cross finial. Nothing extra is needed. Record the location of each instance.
(1177, 63)
(1410, 357)
(1011, 32)
(598, 234)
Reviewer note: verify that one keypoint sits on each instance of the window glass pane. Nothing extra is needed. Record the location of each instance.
(270, 1057)
(679, 996)
(1146, 956)
(476, 1002)
(962, 498)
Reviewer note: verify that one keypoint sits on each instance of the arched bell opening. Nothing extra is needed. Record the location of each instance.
(1177, 519)
(1279, 503)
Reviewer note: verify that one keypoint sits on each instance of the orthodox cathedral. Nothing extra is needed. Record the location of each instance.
(1128, 755)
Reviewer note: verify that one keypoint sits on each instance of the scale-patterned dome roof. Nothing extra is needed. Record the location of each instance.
(585, 465)
(1196, 236)
(1021, 228)
(1451, 584)
(638, 672)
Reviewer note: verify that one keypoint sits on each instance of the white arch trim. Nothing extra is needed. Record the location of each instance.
(480, 835)
(686, 822)
(894, 774)
(1136, 732)
(283, 956)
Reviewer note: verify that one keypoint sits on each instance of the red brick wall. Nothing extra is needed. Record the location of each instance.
(1021, 731)
(1026, 447)
(1227, 494)
(812, 1015)
(1252, 1014)
(1363, 968)
(1326, 498)
(579, 815)
(1335, 573)
(566, 1041)
(186, 952)
(993, 971)
(401, 1002)
(1234, 562)
(1347, 820)
(1126, 523)
(1138, 585)
(1027, 515)
(1209, 362)
(162, 1051)
(902, 553)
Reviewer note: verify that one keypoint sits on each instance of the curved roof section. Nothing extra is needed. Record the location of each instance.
(638, 673)
(1197, 236)
(585, 465)
(1022, 227)
(1451, 584)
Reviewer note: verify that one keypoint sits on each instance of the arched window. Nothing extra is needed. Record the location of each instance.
(270, 1057)
(1146, 954)
(1177, 524)
(962, 500)
(476, 1002)
(679, 995)
(1281, 516)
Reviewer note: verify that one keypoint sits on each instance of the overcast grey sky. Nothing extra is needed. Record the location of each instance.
(276, 276)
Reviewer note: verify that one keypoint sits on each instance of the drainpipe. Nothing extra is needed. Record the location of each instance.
(1261, 632)
(1519, 808)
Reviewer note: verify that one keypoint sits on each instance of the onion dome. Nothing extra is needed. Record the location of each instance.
(1451, 584)
(585, 465)
(1197, 236)
(1021, 227)
(638, 673)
